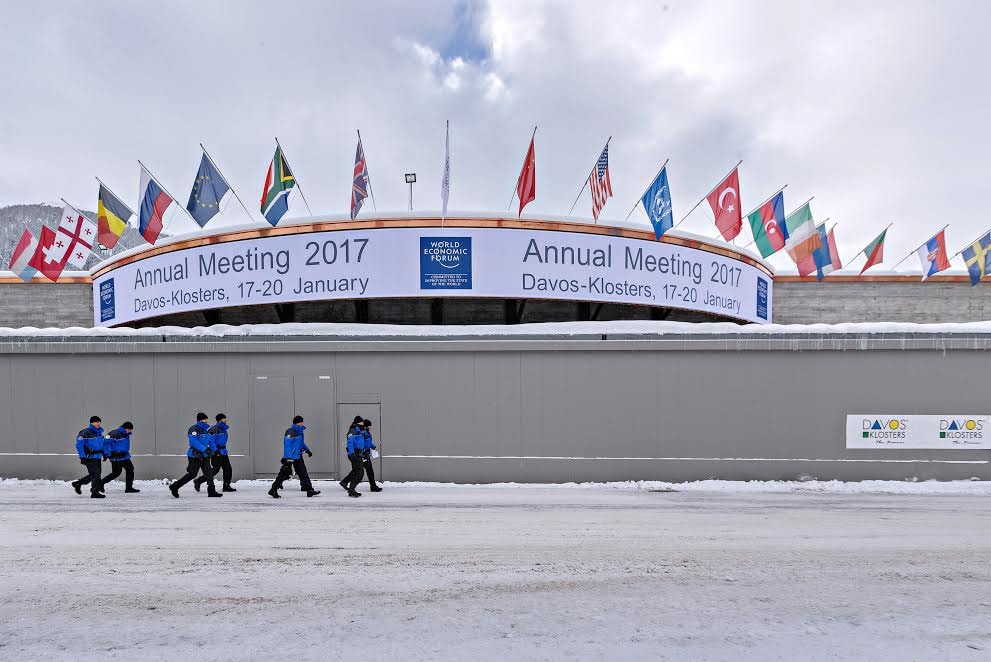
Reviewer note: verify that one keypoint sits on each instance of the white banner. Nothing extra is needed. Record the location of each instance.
(918, 431)
(432, 262)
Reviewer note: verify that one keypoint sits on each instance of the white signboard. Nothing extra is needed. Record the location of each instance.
(916, 431)
(432, 262)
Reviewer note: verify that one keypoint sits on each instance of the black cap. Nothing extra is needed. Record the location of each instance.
(127, 425)
(367, 423)
(358, 419)
(297, 419)
(95, 419)
(201, 416)
(221, 416)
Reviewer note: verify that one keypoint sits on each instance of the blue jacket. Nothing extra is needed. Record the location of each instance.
(89, 443)
(294, 444)
(356, 440)
(218, 434)
(117, 447)
(200, 443)
(367, 438)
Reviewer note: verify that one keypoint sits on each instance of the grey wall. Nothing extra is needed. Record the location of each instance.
(676, 408)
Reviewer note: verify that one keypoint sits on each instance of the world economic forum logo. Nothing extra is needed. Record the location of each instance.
(445, 263)
(108, 307)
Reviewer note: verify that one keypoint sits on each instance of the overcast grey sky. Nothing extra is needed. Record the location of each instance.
(879, 109)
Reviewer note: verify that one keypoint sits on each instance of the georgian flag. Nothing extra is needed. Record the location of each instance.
(74, 238)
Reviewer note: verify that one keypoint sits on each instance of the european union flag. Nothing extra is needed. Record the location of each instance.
(209, 189)
(657, 204)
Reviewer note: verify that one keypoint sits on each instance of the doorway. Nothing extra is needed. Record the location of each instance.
(275, 400)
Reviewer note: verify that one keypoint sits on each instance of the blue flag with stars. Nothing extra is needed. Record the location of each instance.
(209, 189)
(657, 204)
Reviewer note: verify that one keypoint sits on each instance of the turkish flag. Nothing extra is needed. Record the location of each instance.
(526, 185)
(725, 203)
(50, 258)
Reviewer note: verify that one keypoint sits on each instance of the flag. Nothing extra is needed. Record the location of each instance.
(359, 184)
(657, 203)
(209, 189)
(111, 216)
(819, 258)
(74, 238)
(767, 223)
(44, 259)
(599, 183)
(975, 257)
(803, 239)
(987, 262)
(526, 185)
(278, 182)
(725, 203)
(874, 252)
(932, 255)
(153, 203)
(831, 258)
(20, 259)
(445, 182)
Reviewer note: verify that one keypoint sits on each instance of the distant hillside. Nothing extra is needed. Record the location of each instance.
(15, 218)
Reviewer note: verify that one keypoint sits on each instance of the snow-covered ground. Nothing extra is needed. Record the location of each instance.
(713, 571)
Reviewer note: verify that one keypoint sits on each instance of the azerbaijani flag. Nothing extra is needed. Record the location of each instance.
(112, 216)
(767, 223)
(279, 181)
(21, 258)
(874, 252)
(154, 202)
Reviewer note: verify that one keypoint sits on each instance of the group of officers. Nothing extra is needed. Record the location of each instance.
(207, 455)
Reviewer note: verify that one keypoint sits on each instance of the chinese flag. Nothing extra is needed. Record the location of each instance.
(44, 256)
(526, 185)
(725, 203)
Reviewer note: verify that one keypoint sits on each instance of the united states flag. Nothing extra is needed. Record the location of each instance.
(598, 183)
(359, 187)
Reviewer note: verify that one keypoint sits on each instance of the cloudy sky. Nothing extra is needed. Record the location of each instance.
(880, 110)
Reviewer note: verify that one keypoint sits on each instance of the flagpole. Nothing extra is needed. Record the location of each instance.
(582, 190)
(955, 254)
(368, 172)
(115, 195)
(217, 168)
(914, 250)
(764, 203)
(509, 207)
(707, 194)
(295, 178)
(174, 199)
(864, 249)
(640, 199)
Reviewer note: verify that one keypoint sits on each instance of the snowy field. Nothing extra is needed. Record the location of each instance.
(714, 571)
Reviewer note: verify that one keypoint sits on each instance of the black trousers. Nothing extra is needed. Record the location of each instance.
(193, 467)
(116, 466)
(92, 477)
(370, 470)
(220, 462)
(286, 470)
(357, 471)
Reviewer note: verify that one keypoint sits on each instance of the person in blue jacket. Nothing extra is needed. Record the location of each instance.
(89, 447)
(220, 461)
(366, 462)
(354, 434)
(200, 450)
(117, 449)
(293, 447)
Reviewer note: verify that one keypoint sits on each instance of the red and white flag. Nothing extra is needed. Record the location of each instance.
(20, 259)
(47, 258)
(75, 238)
(725, 203)
(526, 185)
(599, 183)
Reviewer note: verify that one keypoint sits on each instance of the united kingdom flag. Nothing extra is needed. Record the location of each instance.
(359, 187)
(599, 184)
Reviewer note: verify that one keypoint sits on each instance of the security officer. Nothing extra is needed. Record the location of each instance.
(200, 450)
(293, 447)
(356, 454)
(117, 449)
(89, 446)
(367, 455)
(220, 460)
(354, 430)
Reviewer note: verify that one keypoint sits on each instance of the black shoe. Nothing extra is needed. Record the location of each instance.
(228, 488)
(77, 487)
(353, 494)
(310, 493)
(103, 489)
(131, 490)
(376, 488)
(197, 484)
(274, 493)
(343, 484)
(212, 492)
(174, 490)
(97, 495)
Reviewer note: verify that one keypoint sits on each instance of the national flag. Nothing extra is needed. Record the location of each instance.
(874, 252)
(112, 216)
(819, 258)
(657, 203)
(803, 239)
(44, 258)
(987, 262)
(526, 185)
(932, 255)
(153, 203)
(279, 181)
(599, 183)
(359, 184)
(75, 237)
(20, 259)
(767, 223)
(725, 203)
(975, 257)
(833, 256)
(209, 189)
(445, 181)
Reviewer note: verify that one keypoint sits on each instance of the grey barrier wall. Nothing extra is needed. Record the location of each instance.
(595, 408)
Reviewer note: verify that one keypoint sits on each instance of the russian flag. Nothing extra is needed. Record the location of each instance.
(932, 254)
(154, 202)
(21, 258)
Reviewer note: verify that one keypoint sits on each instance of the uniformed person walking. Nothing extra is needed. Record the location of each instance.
(293, 447)
(369, 446)
(117, 449)
(89, 447)
(220, 460)
(355, 431)
(199, 453)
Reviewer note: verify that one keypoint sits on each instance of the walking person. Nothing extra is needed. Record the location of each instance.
(220, 460)
(354, 440)
(200, 450)
(369, 446)
(89, 447)
(117, 449)
(293, 447)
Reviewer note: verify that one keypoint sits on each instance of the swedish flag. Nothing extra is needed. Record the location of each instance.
(975, 256)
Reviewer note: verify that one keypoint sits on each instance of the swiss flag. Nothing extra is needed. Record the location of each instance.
(51, 255)
(725, 203)
(526, 185)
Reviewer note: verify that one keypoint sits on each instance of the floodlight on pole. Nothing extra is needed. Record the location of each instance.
(411, 179)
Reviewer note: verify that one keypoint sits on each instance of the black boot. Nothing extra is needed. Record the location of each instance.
(228, 488)
(77, 487)
(344, 485)
(130, 489)
(310, 493)
(97, 495)
(353, 494)
(274, 492)
(376, 488)
(174, 490)
(212, 492)
(197, 484)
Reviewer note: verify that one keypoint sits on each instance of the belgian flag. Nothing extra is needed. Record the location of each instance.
(112, 215)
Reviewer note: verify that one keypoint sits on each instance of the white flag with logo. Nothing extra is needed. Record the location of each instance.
(74, 238)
